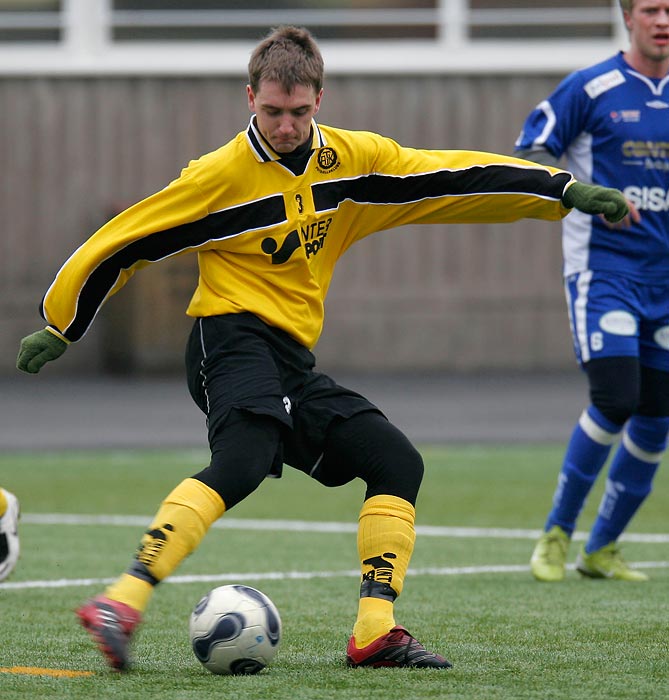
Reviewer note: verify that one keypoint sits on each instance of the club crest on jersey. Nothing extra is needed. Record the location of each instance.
(327, 160)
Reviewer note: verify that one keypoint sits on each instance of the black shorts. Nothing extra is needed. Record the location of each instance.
(238, 361)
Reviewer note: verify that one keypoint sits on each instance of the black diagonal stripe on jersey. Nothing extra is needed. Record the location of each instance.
(257, 144)
(403, 189)
(156, 246)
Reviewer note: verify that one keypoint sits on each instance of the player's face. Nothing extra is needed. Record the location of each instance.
(648, 24)
(284, 119)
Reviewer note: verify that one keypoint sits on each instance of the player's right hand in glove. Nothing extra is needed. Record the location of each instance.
(594, 199)
(37, 349)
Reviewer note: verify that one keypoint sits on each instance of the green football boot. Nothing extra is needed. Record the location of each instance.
(549, 558)
(607, 562)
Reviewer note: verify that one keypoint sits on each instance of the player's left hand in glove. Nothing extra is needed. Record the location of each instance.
(37, 349)
(594, 199)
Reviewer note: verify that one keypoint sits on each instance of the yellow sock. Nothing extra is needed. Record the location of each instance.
(375, 618)
(132, 591)
(3, 503)
(177, 529)
(386, 539)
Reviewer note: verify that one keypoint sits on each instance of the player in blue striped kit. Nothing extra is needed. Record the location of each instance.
(611, 121)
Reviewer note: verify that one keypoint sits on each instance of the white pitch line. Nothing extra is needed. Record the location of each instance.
(303, 526)
(307, 526)
(302, 575)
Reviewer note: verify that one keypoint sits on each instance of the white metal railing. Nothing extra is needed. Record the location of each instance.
(267, 18)
(86, 42)
(542, 16)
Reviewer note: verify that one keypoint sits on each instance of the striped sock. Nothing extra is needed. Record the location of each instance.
(630, 478)
(177, 529)
(386, 539)
(584, 458)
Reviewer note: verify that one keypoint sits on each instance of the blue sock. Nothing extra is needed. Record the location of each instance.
(630, 478)
(586, 454)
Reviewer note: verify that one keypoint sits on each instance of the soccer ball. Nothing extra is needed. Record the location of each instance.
(235, 630)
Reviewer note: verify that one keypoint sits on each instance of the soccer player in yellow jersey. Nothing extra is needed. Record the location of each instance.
(269, 214)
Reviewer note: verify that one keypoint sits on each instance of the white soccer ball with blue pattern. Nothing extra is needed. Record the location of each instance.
(235, 630)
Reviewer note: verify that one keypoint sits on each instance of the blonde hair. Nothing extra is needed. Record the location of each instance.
(289, 56)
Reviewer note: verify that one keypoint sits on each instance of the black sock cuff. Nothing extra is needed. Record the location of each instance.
(375, 589)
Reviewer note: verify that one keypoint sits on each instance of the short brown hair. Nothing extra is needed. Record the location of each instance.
(626, 5)
(287, 55)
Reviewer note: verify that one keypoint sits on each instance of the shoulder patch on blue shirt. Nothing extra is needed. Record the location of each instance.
(604, 82)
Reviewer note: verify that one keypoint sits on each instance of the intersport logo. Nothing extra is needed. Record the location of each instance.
(312, 236)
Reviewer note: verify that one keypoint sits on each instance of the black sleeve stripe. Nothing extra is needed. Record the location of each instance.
(156, 246)
(405, 189)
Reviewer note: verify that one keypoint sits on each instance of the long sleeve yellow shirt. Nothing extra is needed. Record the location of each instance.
(268, 238)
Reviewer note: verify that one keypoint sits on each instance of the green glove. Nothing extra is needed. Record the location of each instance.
(37, 349)
(593, 199)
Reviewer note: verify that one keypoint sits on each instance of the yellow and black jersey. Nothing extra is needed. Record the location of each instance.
(268, 234)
